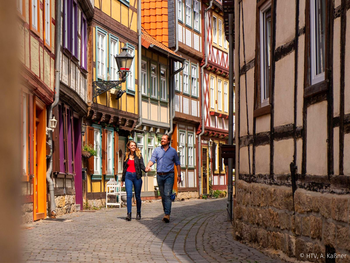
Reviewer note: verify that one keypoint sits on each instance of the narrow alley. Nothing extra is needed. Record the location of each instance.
(198, 232)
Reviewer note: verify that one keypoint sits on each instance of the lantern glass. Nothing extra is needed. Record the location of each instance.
(124, 60)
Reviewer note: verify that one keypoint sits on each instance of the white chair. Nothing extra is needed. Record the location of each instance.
(113, 188)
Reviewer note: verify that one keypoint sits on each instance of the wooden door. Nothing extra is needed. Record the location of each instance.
(121, 153)
(39, 211)
(205, 175)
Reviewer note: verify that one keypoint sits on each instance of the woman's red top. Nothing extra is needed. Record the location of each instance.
(131, 166)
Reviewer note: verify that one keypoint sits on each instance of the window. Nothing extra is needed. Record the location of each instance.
(317, 32)
(150, 148)
(74, 43)
(188, 12)
(98, 149)
(225, 124)
(177, 77)
(101, 59)
(130, 80)
(212, 95)
(214, 30)
(225, 42)
(139, 141)
(20, 7)
(219, 123)
(144, 77)
(65, 24)
(212, 121)
(154, 81)
(48, 22)
(219, 95)
(265, 52)
(110, 152)
(190, 149)
(163, 84)
(225, 97)
(34, 14)
(196, 15)
(216, 157)
(83, 59)
(182, 147)
(186, 77)
(113, 51)
(180, 10)
(194, 80)
(220, 33)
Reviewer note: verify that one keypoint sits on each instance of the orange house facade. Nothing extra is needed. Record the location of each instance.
(36, 21)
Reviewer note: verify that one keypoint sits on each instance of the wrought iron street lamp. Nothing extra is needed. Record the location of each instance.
(124, 61)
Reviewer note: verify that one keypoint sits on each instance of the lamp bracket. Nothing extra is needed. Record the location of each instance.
(101, 86)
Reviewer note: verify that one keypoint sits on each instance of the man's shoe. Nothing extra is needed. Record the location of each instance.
(166, 218)
(138, 216)
(128, 217)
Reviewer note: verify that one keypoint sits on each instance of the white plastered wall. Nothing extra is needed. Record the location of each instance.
(262, 159)
(243, 109)
(284, 91)
(243, 159)
(316, 148)
(283, 156)
(285, 22)
(336, 150)
(249, 7)
(300, 88)
(336, 67)
(262, 123)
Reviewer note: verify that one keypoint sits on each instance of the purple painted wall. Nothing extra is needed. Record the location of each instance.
(78, 179)
(69, 140)
(61, 141)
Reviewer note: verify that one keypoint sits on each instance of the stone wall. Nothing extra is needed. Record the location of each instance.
(27, 213)
(65, 204)
(95, 203)
(264, 215)
(187, 195)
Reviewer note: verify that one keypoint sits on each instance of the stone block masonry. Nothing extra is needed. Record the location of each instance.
(265, 215)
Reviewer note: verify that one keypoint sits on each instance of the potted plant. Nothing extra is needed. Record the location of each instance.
(88, 151)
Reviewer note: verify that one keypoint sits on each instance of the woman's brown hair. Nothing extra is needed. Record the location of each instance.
(137, 151)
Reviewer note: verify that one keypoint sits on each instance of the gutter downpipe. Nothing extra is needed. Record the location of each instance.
(202, 100)
(57, 95)
(139, 61)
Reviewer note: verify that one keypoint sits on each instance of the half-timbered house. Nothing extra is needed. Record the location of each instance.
(37, 56)
(72, 106)
(216, 98)
(112, 115)
(292, 168)
(157, 75)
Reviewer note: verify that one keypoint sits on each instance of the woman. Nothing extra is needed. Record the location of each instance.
(132, 166)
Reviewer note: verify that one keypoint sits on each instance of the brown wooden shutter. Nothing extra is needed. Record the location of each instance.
(116, 142)
(104, 151)
(90, 142)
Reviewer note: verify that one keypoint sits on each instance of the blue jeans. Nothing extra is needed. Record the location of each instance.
(131, 179)
(165, 184)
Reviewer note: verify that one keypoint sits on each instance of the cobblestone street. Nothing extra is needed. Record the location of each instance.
(198, 232)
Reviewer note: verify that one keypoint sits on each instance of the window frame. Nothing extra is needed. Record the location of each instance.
(188, 19)
(220, 32)
(31, 26)
(198, 27)
(47, 28)
(102, 33)
(84, 51)
(259, 108)
(220, 95)
(98, 157)
(188, 150)
(215, 34)
(154, 76)
(130, 79)
(212, 92)
(226, 97)
(183, 150)
(186, 77)
(140, 145)
(21, 8)
(163, 80)
(144, 73)
(180, 10)
(150, 148)
(178, 82)
(74, 29)
(110, 132)
(194, 80)
(115, 39)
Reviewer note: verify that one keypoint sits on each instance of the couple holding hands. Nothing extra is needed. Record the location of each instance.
(166, 157)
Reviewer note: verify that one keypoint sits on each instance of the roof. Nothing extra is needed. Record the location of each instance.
(150, 42)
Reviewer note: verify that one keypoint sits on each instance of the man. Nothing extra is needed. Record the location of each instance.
(165, 156)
